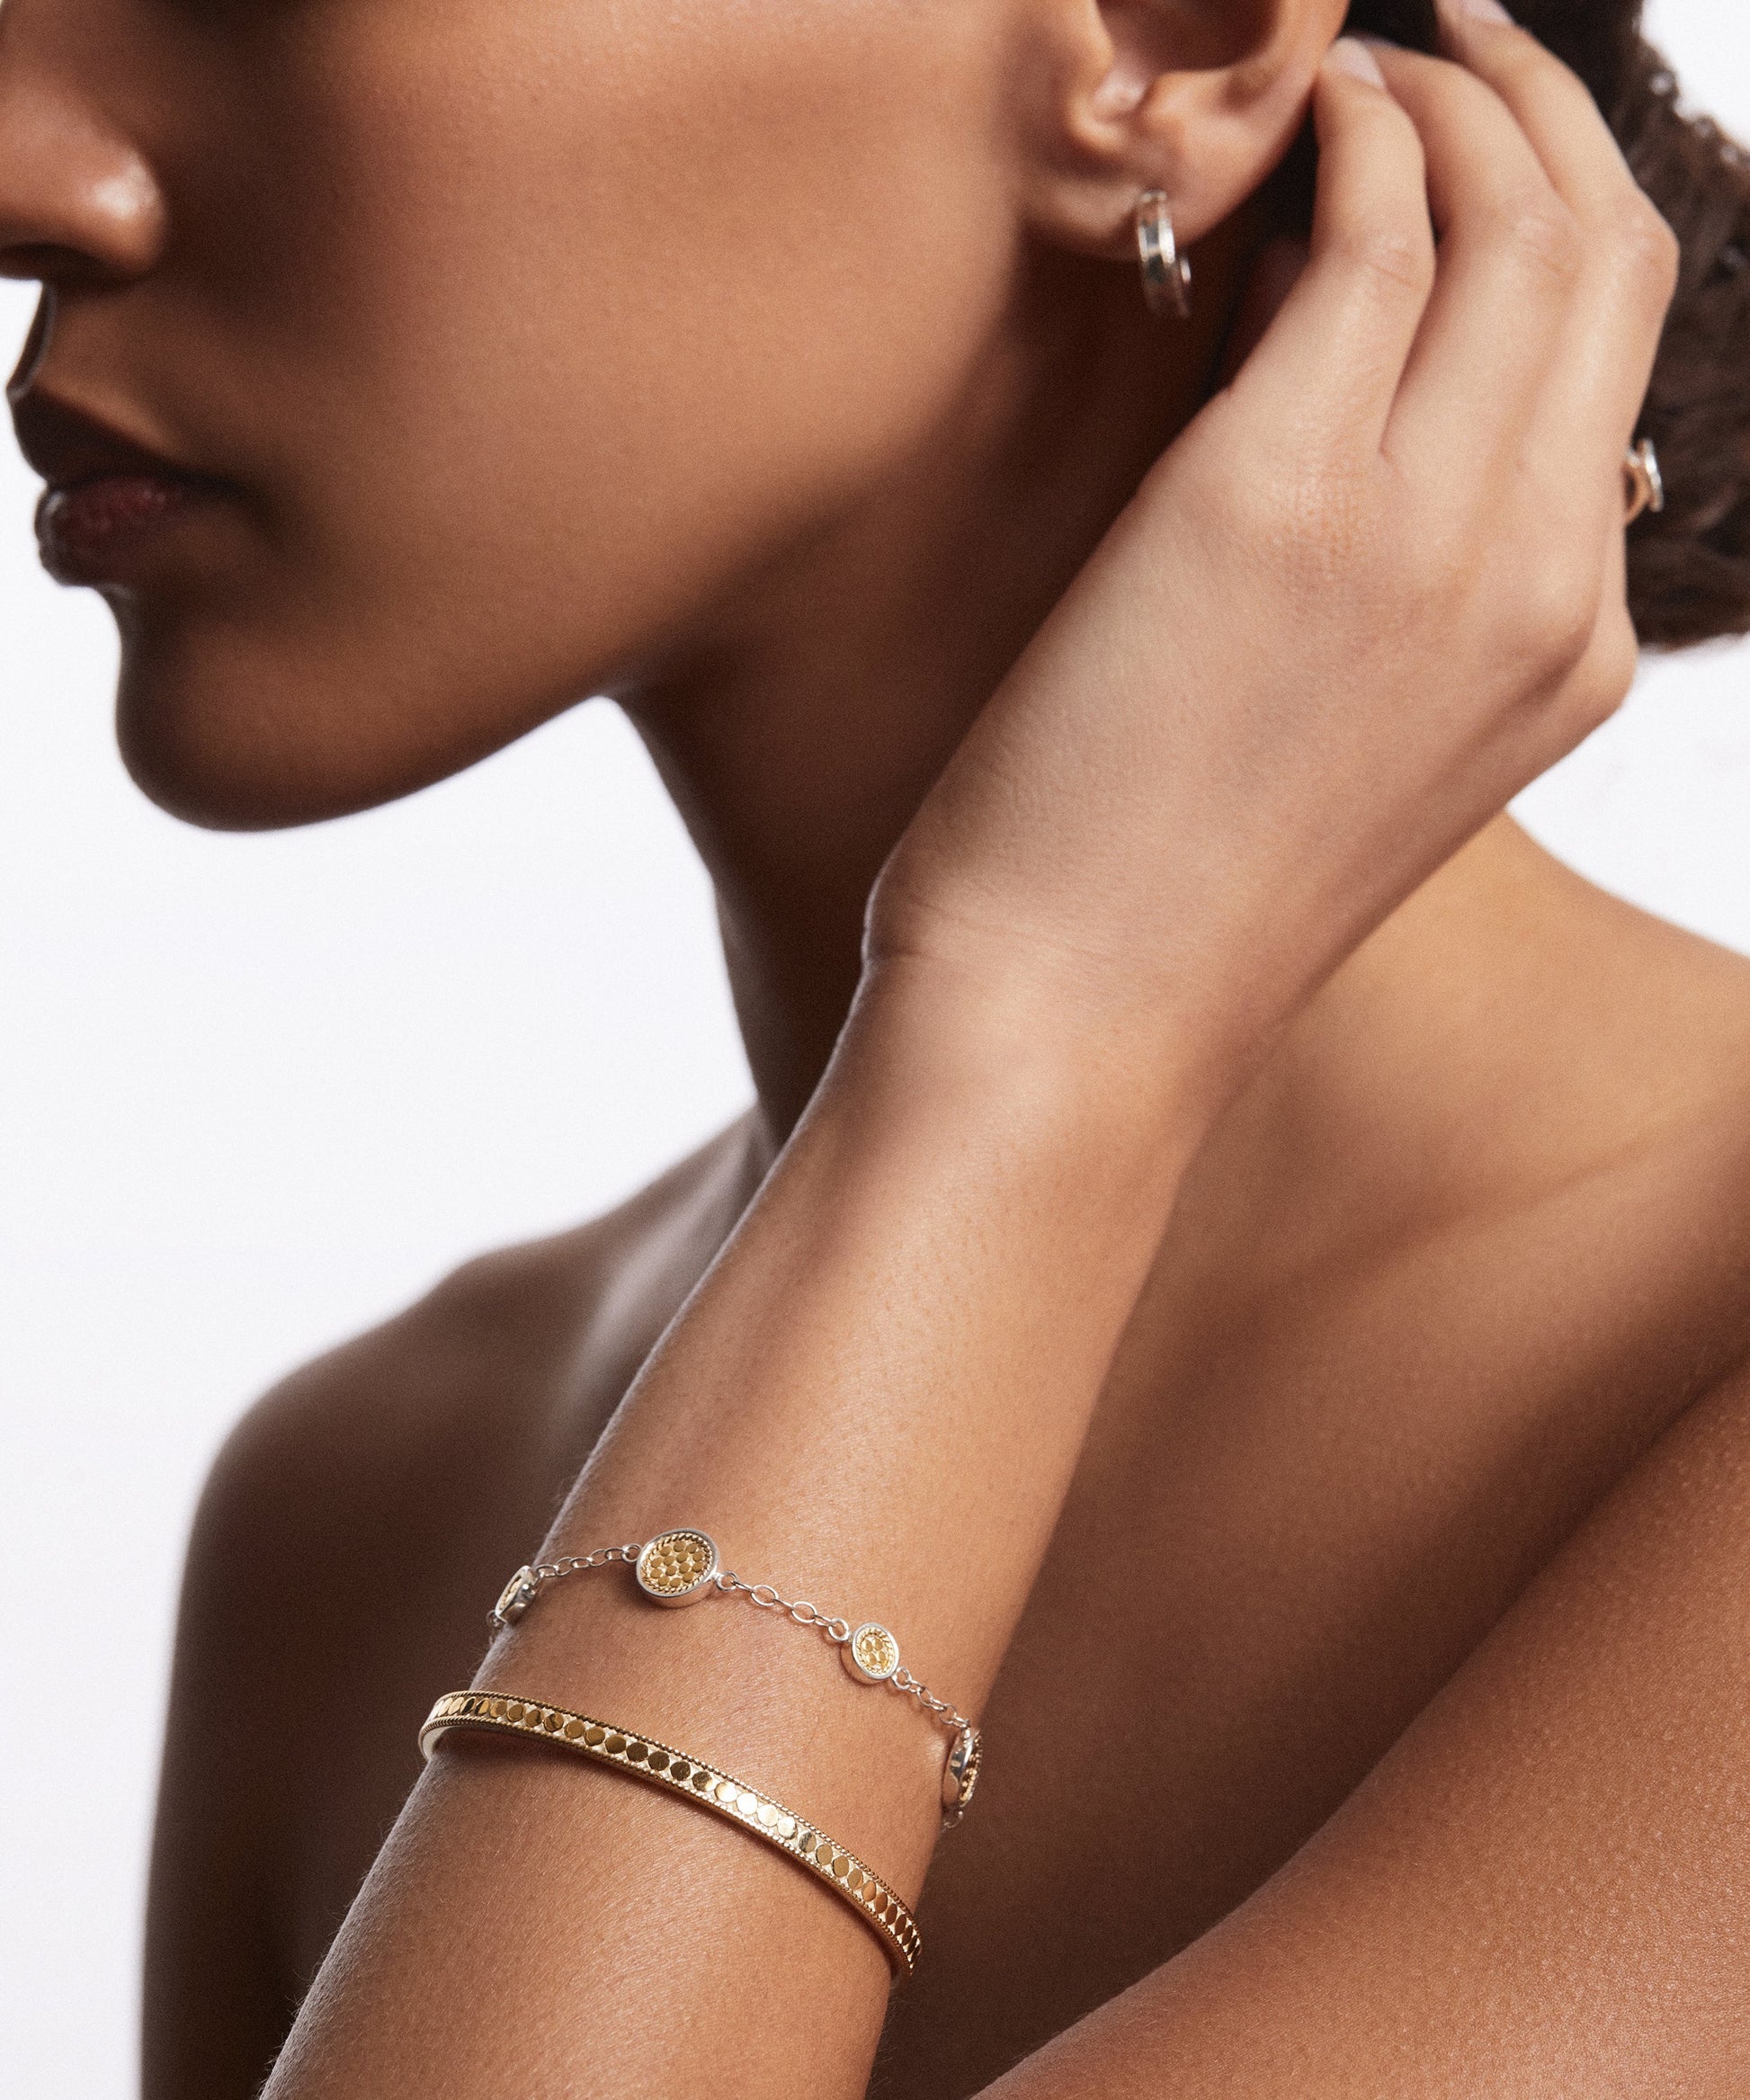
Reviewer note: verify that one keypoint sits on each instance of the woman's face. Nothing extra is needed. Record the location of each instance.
(525, 335)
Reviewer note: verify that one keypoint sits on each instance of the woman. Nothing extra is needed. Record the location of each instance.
(1236, 1257)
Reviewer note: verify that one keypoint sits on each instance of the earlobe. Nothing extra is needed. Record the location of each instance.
(1198, 99)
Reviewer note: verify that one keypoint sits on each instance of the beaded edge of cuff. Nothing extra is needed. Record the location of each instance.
(704, 1784)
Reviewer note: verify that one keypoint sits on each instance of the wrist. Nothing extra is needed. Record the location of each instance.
(1124, 1087)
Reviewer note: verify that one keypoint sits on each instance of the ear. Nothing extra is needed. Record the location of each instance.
(1199, 98)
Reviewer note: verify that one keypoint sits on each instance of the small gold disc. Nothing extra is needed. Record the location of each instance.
(872, 1654)
(677, 1567)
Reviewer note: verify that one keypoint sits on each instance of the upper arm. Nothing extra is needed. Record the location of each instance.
(339, 1485)
(216, 2002)
(1544, 1887)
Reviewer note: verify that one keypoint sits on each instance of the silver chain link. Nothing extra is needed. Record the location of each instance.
(837, 1631)
(580, 1563)
(902, 1680)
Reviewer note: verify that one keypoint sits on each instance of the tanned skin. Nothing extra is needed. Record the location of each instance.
(1237, 1255)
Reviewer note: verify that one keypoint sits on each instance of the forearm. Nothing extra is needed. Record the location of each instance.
(876, 1398)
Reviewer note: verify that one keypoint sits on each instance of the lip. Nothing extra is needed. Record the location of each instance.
(109, 499)
(96, 531)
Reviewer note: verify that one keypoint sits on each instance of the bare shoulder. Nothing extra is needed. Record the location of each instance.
(353, 1530)
(470, 1382)
(1642, 1030)
(1633, 1112)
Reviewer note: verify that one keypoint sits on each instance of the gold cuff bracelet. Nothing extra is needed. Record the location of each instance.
(842, 1872)
(681, 1567)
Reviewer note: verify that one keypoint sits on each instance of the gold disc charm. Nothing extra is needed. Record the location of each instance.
(872, 1654)
(677, 1568)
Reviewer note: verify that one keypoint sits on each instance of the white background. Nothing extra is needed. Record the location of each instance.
(257, 1092)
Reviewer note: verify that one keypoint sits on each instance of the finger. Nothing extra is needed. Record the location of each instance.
(1334, 354)
(1510, 259)
(1274, 274)
(1630, 255)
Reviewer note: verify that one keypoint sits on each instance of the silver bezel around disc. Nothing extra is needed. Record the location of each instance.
(698, 1586)
(959, 1775)
(855, 1663)
(517, 1595)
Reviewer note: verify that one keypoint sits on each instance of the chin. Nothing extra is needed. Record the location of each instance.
(196, 772)
(234, 731)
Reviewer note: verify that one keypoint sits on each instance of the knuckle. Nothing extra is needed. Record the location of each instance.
(1567, 633)
(1543, 234)
(1612, 665)
(1556, 620)
(1649, 250)
(1394, 258)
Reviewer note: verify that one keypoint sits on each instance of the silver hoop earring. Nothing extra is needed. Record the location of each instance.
(1165, 272)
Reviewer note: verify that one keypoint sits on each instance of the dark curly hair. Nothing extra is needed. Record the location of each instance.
(1689, 568)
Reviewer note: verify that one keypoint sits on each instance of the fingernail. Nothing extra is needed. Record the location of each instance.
(1490, 11)
(1348, 55)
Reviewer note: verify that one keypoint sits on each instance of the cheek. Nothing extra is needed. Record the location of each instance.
(564, 317)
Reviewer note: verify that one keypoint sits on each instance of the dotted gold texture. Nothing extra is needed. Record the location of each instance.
(675, 1563)
(877, 1650)
(842, 1872)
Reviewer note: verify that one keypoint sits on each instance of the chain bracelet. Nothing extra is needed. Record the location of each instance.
(681, 1567)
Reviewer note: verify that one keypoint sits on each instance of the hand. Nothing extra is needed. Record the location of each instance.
(1373, 590)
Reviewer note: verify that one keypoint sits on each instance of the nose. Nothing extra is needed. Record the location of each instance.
(78, 202)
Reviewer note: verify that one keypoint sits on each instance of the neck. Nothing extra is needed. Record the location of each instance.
(800, 739)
